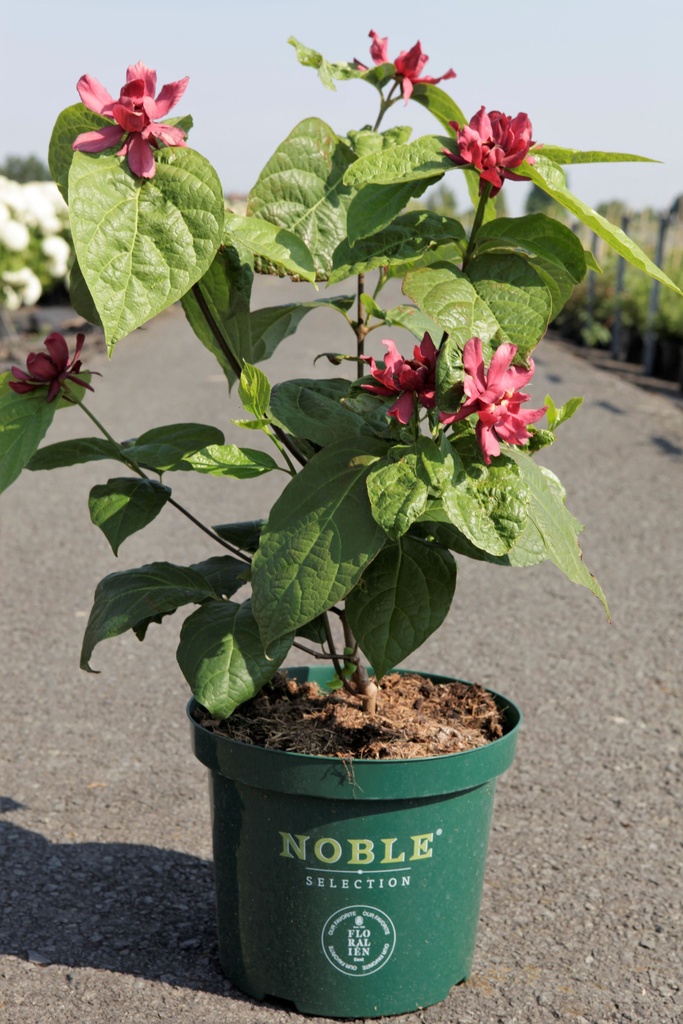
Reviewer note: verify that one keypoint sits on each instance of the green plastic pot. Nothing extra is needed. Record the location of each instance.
(350, 888)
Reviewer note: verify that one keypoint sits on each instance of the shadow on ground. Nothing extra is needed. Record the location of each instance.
(113, 906)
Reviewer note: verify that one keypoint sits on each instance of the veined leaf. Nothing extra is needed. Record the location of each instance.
(301, 188)
(515, 294)
(72, 122)
(254, 390)
(245, 535)
(562, 155)
(538, 235)
(126, 598)
(141, 244)
(125, 505)
(272, 242)
(550, 177)
(71, 453)
(440, 104)
(397, 492)
(313, 409)
(229, 460)
(319, 538)
(171, 447)
(423, 158)
(373, 207)
(327, 70)
(402, 598)
(24, 421)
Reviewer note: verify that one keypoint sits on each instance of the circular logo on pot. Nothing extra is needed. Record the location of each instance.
(358, 940)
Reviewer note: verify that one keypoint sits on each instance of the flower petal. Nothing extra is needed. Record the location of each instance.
(140, 157)
(167, 133)
(473, 361)
(488, 442)
(95, 142)
(379, 51)
(500, 362)
(148, 76)
(95, 96)
(169, 96)
(403, 407)
(59, 350)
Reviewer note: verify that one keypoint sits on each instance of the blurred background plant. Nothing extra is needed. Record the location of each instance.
(35, 242)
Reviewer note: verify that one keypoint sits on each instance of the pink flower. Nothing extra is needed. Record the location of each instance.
(50, 369)
(408, 64)
(134, 113)
(495, 398)
(493, 143)
(405, 378)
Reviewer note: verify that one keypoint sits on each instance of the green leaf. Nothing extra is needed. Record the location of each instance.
(254, 390)
(24, 421)
(70, 123)
(447, 296)
(221, 655)
(440, 104)
(224, 574)
(413, 320)
(368, 141)
(226, 290)
(229, 460)
(402, 598)
(141, 244)
(80, 297)
(327, 70)
(556, 525)
(301, 188)
(245, 535)
(550, 177)
(528, 549)
(561, 155)
(126, 598)
(488, 504)
(313, 409)
(320, 537)
(516, 295)
(171, 447)
(373, 207)
(407, 238)
(423, 158)
(557, 416)
(538, 235)
(125, 505)
(274, 243)
(71, 453)
(558, 282)
(398, 495)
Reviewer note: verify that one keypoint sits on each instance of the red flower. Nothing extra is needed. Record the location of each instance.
(494, 397)
(493, 143)
(406, 377)
(408, 64)
(50, 369)
(134, 112)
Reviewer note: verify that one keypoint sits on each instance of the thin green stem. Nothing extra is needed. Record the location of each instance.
(385, 104)
(478, 220)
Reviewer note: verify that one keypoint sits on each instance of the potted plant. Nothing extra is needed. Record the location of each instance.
(374, 864)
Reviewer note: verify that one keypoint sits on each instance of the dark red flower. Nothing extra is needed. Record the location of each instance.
(50, 369)
(405, 378)
(494, 143)
(495, 398)
(409, 64)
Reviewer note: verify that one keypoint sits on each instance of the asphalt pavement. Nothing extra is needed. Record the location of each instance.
(105, 858)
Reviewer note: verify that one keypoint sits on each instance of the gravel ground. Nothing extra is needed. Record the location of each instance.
(105, 875)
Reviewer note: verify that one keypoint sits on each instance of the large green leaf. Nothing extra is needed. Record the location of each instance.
(123, 599)
(313, 409)
(550, 178)
(447, 296)
(398, 492)
(73, 452)
(319, 538)
(171, 447)
(229, 460)
(562, 155)
(24, 421)
(274, 243)
(554, 522)
(141, 244)
(374, 206)
(407, 238)
(515, 294)
(222, 657)
(80, 297)
(528, 549)
(225, 289)
(71, 122)
(440, 104)
(223, 573)
(301, 188)
(245, 535)
(402, 598)
(413, 320)
(424, 158)
(125, 505)
(538, 235)
(488, 504)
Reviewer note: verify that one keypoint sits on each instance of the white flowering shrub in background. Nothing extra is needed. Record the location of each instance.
(35, 242)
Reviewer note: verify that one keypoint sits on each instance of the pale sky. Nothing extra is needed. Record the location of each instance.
(591, 74)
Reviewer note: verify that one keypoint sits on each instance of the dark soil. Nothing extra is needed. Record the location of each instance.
(414, 718)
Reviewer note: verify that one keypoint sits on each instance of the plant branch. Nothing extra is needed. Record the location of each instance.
(478, 219)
